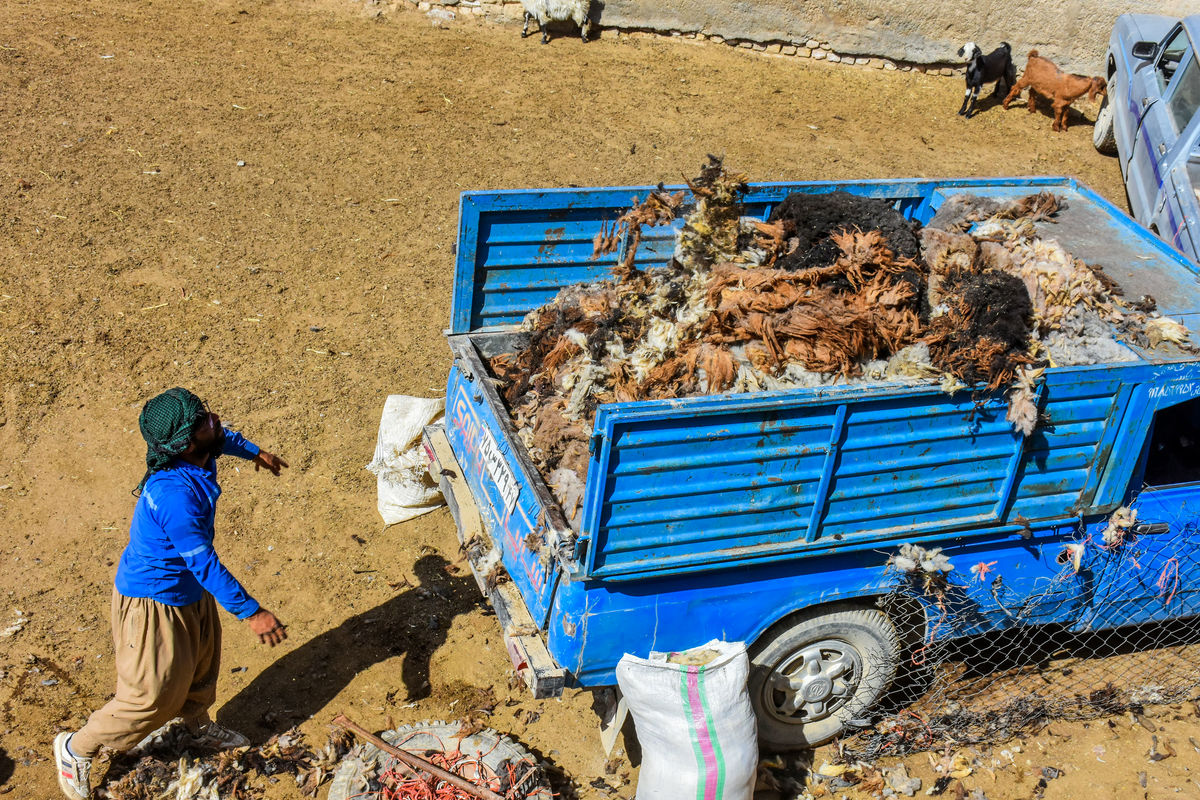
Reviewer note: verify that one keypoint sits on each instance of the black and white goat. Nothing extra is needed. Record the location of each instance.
(995, 66)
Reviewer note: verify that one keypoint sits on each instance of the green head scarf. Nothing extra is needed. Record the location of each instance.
(167, 422)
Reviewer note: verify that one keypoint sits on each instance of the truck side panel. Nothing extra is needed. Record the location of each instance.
(1063, 460)
(508, 504)
(595, 622)
(706, 483)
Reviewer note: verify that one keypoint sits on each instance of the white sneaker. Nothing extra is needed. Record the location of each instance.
(156, 737)
(218, 737)
(74, 772)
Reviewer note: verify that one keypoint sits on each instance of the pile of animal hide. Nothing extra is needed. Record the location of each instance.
(831, 288)
(172, 765)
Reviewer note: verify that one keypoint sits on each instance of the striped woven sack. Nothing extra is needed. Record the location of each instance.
(694, 722)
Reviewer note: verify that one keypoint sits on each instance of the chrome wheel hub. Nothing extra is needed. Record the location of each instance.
(814, 682)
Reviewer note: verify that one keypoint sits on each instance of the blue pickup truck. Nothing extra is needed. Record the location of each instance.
(770, 518)
(1151, 121)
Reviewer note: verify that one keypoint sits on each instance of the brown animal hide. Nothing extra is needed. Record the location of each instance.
(1040, 206)
(553, 431)
(826, 318)
(658, 209)
(717, 363)
(959, 211)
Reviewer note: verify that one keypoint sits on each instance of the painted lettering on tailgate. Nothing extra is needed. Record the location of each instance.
(482, 452)
(498, 471)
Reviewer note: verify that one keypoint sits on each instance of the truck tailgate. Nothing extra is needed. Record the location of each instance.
(515, 508)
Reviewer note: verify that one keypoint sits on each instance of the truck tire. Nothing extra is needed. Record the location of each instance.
(1104, 135)
(816, 675)
(353, 777)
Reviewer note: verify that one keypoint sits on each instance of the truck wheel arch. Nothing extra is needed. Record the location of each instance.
(817, 671)
(1104, 135)
(906, 613)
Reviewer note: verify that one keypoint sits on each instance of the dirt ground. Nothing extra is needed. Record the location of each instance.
(257, 200)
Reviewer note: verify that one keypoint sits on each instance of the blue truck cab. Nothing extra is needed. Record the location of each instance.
(771, 518)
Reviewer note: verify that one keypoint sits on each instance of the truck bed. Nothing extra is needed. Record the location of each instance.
(722, 481)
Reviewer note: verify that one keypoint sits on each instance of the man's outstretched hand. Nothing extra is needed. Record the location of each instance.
(267, 626)
(268, 461)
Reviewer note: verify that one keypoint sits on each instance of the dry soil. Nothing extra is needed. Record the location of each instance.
(257, 200)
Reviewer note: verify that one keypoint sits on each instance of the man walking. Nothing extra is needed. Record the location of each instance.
(164, 616)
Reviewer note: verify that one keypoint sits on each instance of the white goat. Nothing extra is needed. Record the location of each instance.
(545, 11)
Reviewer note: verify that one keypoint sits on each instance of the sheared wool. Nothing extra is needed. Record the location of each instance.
(192, 782)
(1084, 338)
(1079, 312)
(677, 330)
(928, 568)
(960, 210)
(712, 232)
(1022, 400)
(910, 363)
(1072, 553)
(1118, 527)
(810, 221)
(568, 489)
(658, 208)
(945, 252)
(914, 558)
(175, 766)
(1060, 285)
(983, 335)
(991, 302)
(1079, 316)
(1164, 329)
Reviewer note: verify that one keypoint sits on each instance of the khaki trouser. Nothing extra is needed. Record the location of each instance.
(168, 659)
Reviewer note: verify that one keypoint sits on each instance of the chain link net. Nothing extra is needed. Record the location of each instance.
(1113, 630)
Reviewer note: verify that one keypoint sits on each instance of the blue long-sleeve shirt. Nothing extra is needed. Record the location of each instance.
(170, 556)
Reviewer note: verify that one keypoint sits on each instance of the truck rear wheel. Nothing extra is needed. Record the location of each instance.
(1104, 135)
(816, 675)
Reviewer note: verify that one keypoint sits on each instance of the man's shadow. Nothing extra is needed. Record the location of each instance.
(413, 624)
(7, 767)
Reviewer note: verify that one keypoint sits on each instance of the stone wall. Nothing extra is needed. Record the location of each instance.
(886, 34)
(1073, 33)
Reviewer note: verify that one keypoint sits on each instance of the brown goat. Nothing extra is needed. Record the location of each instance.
(1062, 88)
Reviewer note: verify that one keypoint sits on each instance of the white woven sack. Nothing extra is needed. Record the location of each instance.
(403, 483)
(694, 724)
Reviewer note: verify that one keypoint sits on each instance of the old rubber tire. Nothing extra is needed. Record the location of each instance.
(1104, 135)
(816, 675)
(350, 780)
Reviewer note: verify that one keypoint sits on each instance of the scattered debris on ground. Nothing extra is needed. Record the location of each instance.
(404, 764)
(20, 620)
(174, 765)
